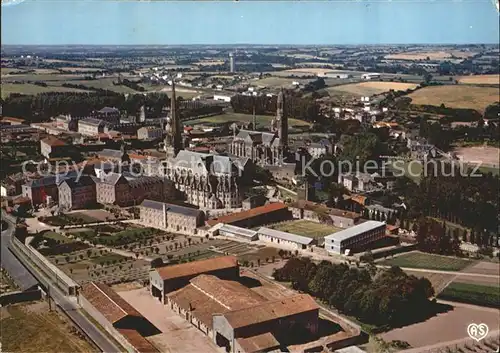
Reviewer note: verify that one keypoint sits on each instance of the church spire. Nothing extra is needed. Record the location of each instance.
(282, 118)
(174, 118)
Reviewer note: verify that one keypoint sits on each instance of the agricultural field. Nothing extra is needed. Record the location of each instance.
(31, 89)
(262, 120)
(456, 96)
(90, 216)
(32, 328)
(372, 88)
(306, 228)
(428, 261)
(432, 55)
(472, 294)
(279, 81)
(480, 80)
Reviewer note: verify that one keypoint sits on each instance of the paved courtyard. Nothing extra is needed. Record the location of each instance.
(177, 334)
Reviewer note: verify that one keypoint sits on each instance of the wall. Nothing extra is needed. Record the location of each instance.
(19, 297)
(108, 326)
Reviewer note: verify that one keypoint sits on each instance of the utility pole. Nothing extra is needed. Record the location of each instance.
(48, 298)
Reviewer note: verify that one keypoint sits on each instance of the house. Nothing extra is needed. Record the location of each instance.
(174, 218)
(359, 182)
(77, 194)
(149, 133)
(42, 190)
(355, 238)
(51, 147)
(253, 202)
(320, 149)
(285, 239)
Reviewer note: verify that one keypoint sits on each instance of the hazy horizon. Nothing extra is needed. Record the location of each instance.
(304, 23)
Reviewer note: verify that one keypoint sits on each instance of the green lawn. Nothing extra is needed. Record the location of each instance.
(472, 294)
(57, 236)
(411, 169)
(428, 261)
(306, 228)
(262, 120)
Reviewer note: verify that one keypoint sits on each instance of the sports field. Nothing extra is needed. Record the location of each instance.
(456, 96)
(306, 228)
(372, 88)
(472, 294)
(428, 261)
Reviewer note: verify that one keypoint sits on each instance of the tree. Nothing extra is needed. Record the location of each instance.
(157, 262)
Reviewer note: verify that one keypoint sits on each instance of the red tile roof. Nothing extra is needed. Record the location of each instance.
(259, 343)
(141, 344)
(272, 310)
(254, 212)
(108, 302)
(197, 267)
(53, 141)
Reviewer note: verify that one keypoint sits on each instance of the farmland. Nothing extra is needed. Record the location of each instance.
(279, 81)
(456, 96)
(432, 55)
(306, 228)
(428, 261)
(480, 79)
(262, 120)
(31, 89)
(488, 156)
(372, 88)
(472, 294)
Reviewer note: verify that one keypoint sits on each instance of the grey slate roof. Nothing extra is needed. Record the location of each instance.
(285, 236)
(91, 121)
(108, 178)
(247, 233)
(84, 180)
(157, 205)
(353, 231)
(107, 110)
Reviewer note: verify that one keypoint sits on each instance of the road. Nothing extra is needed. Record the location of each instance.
(69, 306)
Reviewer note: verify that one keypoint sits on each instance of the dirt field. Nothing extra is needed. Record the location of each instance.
(306, 228)
(438, 280)
(457, 96)
(31, 328)
(448, 326)
(177, 334)
(480, 79)
(373, 88)
(487, 155)
(279, 81)
(432, 55)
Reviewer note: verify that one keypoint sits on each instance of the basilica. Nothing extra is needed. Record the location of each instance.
(209, 181)
(264, 148)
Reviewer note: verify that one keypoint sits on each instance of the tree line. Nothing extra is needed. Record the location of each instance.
(389, 298)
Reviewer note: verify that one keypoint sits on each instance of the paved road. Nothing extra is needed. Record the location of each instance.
(68, 305)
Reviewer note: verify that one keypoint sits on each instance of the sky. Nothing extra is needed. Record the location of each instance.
(106, 22)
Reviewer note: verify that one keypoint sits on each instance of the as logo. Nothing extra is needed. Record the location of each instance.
(477, 331)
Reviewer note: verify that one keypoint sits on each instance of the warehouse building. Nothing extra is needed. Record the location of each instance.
(163, 280)
(241, 320)
(285, 239)
(354, 238)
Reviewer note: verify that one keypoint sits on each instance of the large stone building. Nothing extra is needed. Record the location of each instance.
(75, 194)
(91, 126)
(40, 191)
(315, 212)
(270, 213)
(149, 133)
(116, 189)
(174, 218)
(264, 148)
(206, 180)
